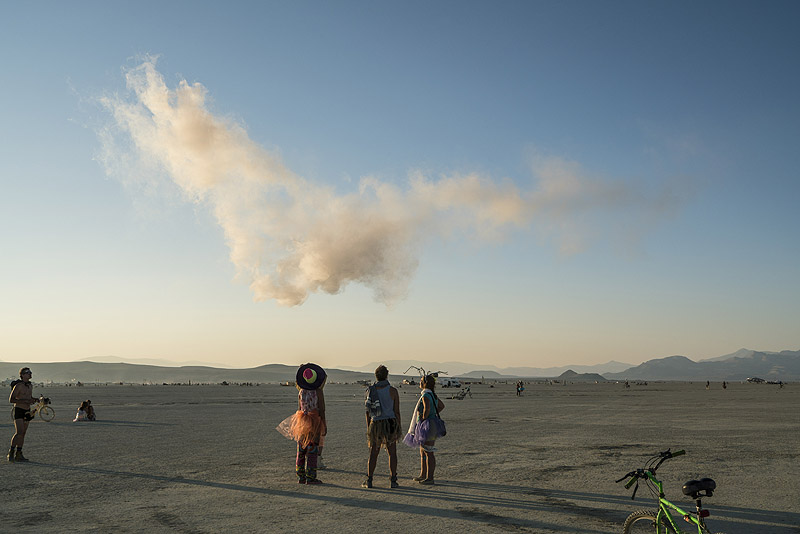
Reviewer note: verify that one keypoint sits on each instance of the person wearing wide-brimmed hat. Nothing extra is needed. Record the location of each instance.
(307, 426)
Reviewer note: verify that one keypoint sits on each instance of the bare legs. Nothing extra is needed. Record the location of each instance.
(392, 450)
(427, 463)
(373, 459)
(374, 451)
(20, 426)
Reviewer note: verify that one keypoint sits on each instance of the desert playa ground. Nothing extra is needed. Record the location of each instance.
(207, 459)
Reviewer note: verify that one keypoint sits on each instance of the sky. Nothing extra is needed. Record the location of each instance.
(508, 183)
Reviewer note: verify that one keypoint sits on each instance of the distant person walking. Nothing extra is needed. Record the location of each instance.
(520, 388)
(307, 426)
(22, 398)
(425, 427)
(383, 424)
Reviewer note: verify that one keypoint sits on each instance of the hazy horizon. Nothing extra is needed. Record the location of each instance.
(531, 184)
(456, 366)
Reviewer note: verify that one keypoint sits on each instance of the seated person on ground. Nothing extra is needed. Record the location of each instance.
(81, 415)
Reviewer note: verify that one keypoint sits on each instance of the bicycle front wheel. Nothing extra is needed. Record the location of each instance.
(644, 521)
(47, 413)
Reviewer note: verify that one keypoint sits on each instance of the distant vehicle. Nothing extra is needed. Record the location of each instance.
(447, 382)
(756, 380)
(409, 382)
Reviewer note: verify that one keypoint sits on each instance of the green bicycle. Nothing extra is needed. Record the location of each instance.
(661, 520)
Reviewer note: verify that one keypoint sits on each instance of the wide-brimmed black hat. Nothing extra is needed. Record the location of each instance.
(310, 376)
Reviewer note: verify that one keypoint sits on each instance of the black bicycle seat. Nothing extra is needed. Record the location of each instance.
(694, 487)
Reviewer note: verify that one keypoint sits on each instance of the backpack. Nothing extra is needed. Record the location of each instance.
(373, 403)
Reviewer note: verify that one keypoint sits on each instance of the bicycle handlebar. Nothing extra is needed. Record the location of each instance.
(634, 476)
(625, 476)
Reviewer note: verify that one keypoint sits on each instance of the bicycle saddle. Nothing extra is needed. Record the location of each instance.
(694, 487)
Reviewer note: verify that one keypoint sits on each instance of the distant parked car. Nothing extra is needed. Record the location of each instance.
(447, 382)
(756, 380)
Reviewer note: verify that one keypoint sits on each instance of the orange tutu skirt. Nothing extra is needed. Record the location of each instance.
(304, 428)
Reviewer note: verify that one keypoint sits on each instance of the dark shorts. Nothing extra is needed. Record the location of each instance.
(21, 413)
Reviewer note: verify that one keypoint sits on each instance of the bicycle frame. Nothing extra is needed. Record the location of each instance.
(663, 511)
(664, 521)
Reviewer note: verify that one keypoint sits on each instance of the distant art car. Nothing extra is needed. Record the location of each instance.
(756, 380)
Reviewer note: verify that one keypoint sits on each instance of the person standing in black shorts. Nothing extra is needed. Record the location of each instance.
(22, 398)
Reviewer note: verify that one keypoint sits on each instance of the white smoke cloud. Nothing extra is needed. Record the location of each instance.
(288, 237)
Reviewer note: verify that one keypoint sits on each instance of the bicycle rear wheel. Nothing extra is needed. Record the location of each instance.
(644, 521)
(47, 413)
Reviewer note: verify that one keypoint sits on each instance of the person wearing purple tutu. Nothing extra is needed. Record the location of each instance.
(383, 424)
(307, 426)
(425, 427)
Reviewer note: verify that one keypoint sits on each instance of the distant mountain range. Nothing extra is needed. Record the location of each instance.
(132, 373)
(742, 364)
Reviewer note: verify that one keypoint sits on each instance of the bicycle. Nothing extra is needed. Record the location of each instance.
(461, 395)
(661, 520)
(43, 409)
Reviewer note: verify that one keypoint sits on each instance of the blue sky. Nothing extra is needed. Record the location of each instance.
(515, 183)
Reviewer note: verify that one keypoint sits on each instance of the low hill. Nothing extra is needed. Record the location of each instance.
(571, 376)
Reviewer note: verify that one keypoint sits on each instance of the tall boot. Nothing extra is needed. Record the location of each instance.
(300, 465)
(311, 466)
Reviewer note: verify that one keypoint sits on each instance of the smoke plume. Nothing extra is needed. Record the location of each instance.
(289, 237)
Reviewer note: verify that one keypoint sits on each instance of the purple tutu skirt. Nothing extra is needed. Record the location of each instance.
(427, 430)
